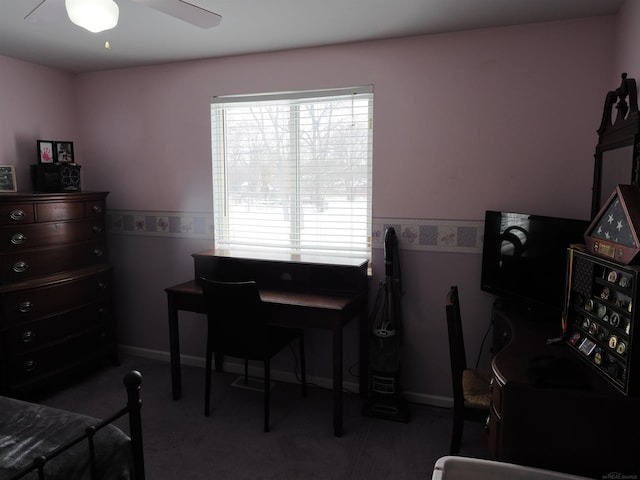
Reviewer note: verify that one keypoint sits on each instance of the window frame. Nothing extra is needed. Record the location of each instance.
(220, 166)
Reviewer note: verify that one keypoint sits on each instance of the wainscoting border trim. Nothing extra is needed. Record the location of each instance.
(435, 235)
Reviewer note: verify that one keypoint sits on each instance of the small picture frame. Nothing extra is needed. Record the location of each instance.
(64, 152)
(46, 151)
(7, 179)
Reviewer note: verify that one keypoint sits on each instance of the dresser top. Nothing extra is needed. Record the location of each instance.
(17, 197)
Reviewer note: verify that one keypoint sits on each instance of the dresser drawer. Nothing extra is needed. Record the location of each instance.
(54, 212)
(25, 337)
(38, 235)
(35, 365)
(15, 214)
(16, 267)
(31, 303)
(96, 208)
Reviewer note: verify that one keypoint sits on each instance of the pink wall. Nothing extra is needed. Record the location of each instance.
(35, 103)
(627, 53)
(453, 113)
(500, 118)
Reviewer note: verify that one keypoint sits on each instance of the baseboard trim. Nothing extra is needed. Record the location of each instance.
(278, 375)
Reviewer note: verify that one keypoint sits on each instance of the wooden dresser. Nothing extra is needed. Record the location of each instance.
(56, 290)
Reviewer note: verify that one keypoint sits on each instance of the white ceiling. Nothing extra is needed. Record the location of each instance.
(145, 36)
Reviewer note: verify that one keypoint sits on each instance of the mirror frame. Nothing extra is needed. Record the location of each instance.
(622, 132)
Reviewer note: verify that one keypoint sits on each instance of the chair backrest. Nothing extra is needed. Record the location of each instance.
(237, 320)
(456, 341)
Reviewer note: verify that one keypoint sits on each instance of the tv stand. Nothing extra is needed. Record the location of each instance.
(549, 410)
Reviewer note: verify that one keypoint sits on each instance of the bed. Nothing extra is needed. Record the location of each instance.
(39, 442)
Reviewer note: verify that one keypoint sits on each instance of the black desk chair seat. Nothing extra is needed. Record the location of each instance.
(239, 326)
(471, 387)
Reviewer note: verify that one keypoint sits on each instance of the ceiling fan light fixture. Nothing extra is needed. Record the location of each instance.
(93, 15)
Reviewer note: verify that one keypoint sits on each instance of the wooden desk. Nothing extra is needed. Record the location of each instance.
(549, 410)
(295, 308)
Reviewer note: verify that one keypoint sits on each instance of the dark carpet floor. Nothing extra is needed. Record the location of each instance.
(181, 443)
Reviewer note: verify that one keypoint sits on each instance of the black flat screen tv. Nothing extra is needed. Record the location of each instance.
(524, 258)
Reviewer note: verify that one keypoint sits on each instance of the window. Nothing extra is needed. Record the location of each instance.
(292, 171)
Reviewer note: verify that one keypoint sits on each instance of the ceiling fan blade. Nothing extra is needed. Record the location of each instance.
(198, 16)
(46, 11)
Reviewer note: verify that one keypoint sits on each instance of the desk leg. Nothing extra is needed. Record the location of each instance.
(365, 338)
(337, 381)
(174, 349)
(218, 361)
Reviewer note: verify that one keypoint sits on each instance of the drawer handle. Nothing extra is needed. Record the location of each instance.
(17, 214)
(98, 252)
(25, 307)
(102, 285)
(102, 311)
(28, 336)
(97, 229)
(30, 366)
(20, 266)
(18, 238)
(97, 209)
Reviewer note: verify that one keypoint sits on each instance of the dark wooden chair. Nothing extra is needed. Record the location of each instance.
(471, 387)
(239, 326)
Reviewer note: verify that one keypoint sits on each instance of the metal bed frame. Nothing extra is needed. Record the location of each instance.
(133, 381)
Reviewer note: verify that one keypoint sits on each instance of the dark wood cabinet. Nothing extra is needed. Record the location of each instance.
(56, 292)
(551, 410)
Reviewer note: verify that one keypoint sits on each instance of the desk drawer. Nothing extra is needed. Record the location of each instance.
(20, 266)
(32, 303)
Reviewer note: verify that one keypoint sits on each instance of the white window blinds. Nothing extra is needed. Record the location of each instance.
(292, 171)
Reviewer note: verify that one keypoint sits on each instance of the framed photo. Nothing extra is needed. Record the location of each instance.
(7, 179)
(64, 152)
(46, 151)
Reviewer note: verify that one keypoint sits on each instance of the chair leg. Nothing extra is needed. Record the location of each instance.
(246, 371)
(207, 388)
(267, 391)
(303, 365)
(456, 434)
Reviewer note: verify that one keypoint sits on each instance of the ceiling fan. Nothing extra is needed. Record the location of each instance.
(99, 15)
